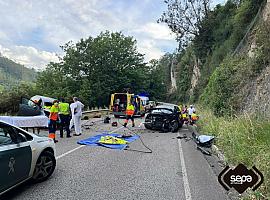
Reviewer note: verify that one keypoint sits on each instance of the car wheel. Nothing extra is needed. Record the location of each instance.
(44, 167)
(147, 124)
(174, 126)
(180, 124)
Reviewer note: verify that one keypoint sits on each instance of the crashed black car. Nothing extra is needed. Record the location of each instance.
(165, 118)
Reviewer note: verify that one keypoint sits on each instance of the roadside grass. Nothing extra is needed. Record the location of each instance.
(243, 139)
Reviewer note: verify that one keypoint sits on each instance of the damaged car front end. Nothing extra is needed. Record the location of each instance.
(164, 119)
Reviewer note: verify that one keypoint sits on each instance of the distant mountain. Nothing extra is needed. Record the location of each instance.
(12, 73)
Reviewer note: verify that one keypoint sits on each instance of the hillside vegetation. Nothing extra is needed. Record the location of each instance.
(225, 74)
(15, 81)
(218, 36)
(12, 73)
(243, 139)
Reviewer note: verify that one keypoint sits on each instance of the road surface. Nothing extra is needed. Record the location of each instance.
(175, 170)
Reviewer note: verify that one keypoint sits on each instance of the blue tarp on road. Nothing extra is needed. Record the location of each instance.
(93, 141)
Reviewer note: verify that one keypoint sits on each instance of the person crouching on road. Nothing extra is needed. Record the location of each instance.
(129, 114)
(194, 118)
(76, 113)
(64, 115)
(53, 118)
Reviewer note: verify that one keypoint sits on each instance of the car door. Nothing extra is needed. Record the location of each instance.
(15, 157)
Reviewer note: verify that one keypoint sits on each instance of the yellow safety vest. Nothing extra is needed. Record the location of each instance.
(194, 117)
(54, 112)
(64, 108)
(130, 110)
(47, 107)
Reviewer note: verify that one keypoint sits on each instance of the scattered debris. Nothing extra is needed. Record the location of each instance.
(98, 115)
(182, 137)
(203, 140)
(204, 151)
(107, 120)
(114, 124)
(204, 143)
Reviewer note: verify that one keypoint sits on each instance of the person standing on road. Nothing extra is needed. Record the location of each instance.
(64, 115)
(184, 114)
(191, 110)
(184, 109)
(76, 113)
(53, 118)
(180, 107)
(130, 114)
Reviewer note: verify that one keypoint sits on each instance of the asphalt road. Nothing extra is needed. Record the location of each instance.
(175, 170)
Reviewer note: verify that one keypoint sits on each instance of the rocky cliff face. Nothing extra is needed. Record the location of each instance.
(173, 75)
(195, 77)
(257, 99)
(257, 91)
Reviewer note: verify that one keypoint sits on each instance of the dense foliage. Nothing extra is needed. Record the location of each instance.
(224, 90)
(219, 33)
(185, 18)
(93, 68)
(11, 97)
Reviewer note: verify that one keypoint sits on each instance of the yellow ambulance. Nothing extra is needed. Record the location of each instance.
(119, 102)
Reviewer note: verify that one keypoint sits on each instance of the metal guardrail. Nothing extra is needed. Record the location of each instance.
(92, 111)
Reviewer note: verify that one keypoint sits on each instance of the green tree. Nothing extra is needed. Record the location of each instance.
(93, 68)
(11, 98)
(185, 18)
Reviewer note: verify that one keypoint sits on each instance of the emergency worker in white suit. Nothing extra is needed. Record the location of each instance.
(76, 113)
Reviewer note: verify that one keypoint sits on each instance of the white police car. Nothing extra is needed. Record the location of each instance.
(24, 156)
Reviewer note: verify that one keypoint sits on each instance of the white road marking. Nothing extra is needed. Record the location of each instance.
(116, 129)
(184, 171)
(72, 150)
(64, 154)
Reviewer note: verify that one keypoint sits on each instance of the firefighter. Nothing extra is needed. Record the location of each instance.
(64, 115)
(53, 118)
(129, 114)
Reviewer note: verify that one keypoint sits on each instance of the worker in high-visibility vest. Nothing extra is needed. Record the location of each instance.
(130, 111)
(53, 118)
(194, 118)
(180, 107)
(64, 115)
(46, 107)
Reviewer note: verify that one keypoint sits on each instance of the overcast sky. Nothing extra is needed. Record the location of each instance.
(32, 30)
